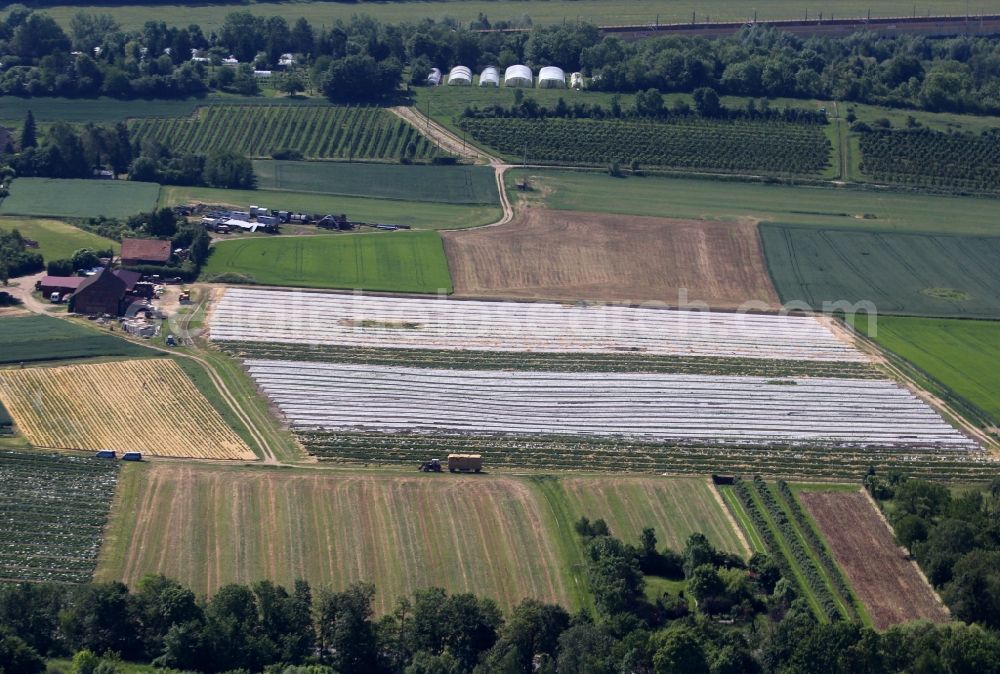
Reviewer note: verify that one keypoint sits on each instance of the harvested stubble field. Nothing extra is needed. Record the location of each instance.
(332, 319)
(53, 510)
(503, 537)
(575, 256)
(137, 405)
(887, 583)
(734, 411)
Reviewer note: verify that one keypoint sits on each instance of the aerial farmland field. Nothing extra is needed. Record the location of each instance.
(503, 537)
(446, 184)
(890, 585)
(916, 274)
(647, 407)
(53, 510)
(312, 318)
(961, 357)
(546, 254)
(57, 240)
(393, 261)
(37, 338)
(138, 405)
(63, 198)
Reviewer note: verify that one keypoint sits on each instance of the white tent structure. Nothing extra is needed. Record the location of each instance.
(490, 77)
(434, 78)
(518, 76)
(551, 77)
(460, 75)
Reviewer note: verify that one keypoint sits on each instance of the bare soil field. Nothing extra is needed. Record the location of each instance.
(146, 405)
(890, 586)
(568, 255)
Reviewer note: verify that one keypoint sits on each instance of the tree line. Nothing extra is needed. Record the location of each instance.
(732, 618)
(363, 59)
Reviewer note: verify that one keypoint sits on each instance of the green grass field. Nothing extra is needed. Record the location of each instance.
(422, 215)
(390, 261)
(916, 274)
(57, 240)
(962, 358)
(500, 536)
(447, 184)
(38, 338)
(610, 12)
(79, 198)
(728, 200)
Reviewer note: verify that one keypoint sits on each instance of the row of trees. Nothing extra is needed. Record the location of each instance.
(957, 74)
(66, 151)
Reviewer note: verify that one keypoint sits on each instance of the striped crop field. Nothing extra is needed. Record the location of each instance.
(147, 405)
(504, 537)
(318, 132)
(683, 409)
(291, 317)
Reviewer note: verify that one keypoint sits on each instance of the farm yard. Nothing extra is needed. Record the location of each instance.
(335, 527)
(959, 360)
(914, 274)
(310, 318)
(66, 198)
(53, 509)
(700, 144)
(40, 338)
(389, 261)
(645, 407)
(318, 132)
(547, 254)
(890, 586)
(445, 184)
(826, 207)
(419, 214)
(57, 240)
(148, 406)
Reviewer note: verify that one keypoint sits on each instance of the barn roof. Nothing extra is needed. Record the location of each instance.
(157, 250)
(130, 278)
(62, 281)
(106, 278)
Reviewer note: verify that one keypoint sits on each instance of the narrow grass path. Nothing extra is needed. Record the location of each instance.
(740, 514)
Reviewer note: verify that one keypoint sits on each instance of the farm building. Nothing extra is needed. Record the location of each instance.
(518, 76)
(490, 77)
(551, 77)
(145, 251)
(434, 78)
(64, 285)
(460, 75)
(102, 293)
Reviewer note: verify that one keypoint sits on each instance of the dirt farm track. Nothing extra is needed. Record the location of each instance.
(567, 255)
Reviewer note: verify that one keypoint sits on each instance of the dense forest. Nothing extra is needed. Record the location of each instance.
(363, 59)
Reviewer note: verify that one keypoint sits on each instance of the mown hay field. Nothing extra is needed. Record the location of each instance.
(71, 198)
(915, 274)
(57, 240)
(137, 405)
(586, 256)
(962, 357)
(390, 261)
(498, 536)
(889, 585)
(446, 184)
(37, 338)
(840, 208)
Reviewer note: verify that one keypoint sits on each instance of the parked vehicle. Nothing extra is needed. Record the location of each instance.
(132, 456)
(106, 454)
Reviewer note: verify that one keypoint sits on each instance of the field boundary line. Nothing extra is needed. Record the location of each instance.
(730, 518)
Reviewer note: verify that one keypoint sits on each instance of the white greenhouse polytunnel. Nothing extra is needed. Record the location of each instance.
(460, 75)
(490, 77)
(576, 80)
(434, 78)
(518, 76)
(551, 77)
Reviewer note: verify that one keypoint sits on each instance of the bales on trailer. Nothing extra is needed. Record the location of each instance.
(490, 77)
(465, 463)
(551, 77)
(460, 75)
(518, 76)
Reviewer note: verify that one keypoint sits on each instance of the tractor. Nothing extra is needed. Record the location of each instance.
(432, 466)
